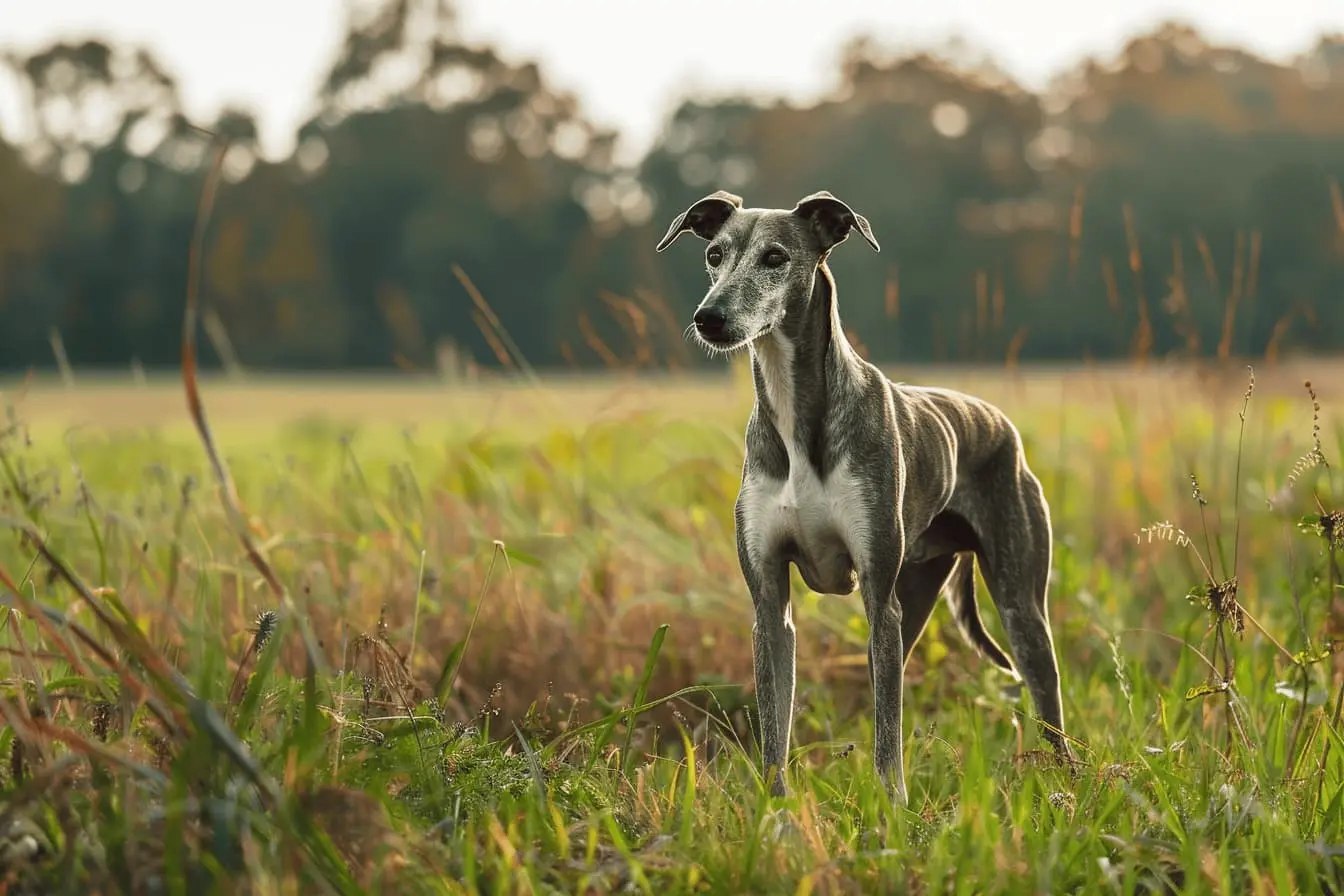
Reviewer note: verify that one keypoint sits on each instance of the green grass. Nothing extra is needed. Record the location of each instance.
(509, 652)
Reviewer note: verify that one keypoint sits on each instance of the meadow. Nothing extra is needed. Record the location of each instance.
(493, 638)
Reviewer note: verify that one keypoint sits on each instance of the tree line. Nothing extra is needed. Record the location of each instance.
(448, 208)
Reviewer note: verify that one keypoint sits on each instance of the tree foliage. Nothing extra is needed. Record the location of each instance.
(1181, 197)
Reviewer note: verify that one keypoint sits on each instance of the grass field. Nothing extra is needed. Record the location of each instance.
(495, 640)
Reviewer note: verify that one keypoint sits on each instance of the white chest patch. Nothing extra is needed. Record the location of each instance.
(825, 520)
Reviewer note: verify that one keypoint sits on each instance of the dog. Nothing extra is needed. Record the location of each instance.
(862, 482)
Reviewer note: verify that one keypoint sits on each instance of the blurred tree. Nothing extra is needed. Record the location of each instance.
(427, 154)
(1180, 197)
(30, 216)
(109, 125)
(1224, 163)
(265, 268)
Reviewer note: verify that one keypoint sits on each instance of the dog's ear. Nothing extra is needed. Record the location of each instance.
(832, 220)
(705, 218)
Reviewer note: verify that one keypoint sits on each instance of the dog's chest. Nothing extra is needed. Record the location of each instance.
(819, 522)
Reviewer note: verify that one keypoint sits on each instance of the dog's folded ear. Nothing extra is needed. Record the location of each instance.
(705, 218)
(832, 220)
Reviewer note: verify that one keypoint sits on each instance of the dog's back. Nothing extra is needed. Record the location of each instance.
(936, 419)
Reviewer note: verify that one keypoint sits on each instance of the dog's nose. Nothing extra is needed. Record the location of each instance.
(710, 321)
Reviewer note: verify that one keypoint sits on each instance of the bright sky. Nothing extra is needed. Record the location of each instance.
(628, 60)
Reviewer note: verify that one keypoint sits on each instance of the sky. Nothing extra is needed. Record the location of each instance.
(629, 61)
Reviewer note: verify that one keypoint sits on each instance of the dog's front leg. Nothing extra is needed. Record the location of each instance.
(773, 656)
(886, 661)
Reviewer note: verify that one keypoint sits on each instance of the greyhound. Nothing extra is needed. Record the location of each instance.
(863, 482)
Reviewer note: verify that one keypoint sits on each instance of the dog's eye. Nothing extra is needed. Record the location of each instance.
(714, 256)
(774, 258)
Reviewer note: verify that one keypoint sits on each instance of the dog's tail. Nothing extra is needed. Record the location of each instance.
(961, 596)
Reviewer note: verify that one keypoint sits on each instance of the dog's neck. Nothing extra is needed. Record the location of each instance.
(797, 364)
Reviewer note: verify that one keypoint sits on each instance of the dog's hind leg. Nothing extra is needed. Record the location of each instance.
(961, 598)
(917, 588)
(1013, 526)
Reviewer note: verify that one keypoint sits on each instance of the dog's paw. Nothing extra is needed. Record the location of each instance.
(780, 827)
(872, 840)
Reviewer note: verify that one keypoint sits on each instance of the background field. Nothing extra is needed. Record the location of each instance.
(517, 566)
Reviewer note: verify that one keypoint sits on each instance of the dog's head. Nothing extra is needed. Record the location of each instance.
(761, 261)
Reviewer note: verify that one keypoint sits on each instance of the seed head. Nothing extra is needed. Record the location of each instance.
(264, 628)
(1196, 492)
